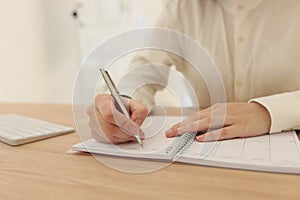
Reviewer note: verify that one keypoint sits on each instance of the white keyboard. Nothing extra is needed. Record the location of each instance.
(16, 129)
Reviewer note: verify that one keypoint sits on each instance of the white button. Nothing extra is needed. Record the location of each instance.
(240, 39)
(240, 7)
(239, 83)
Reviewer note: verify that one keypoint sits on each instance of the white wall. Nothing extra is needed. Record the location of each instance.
(101, 19)
(42, 45)
(38, 51)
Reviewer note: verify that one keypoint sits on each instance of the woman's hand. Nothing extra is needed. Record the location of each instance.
(225, 121)
(108, 125)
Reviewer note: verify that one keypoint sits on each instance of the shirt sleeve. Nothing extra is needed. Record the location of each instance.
(284, 110)
(168, 18)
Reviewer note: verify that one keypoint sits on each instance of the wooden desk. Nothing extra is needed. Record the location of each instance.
(43, 170)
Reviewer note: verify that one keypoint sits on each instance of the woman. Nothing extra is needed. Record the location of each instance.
(255, 44)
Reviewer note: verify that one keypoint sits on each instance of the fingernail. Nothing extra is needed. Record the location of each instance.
(133, 130)
(169, 132)
(139, 122)
(200, 138)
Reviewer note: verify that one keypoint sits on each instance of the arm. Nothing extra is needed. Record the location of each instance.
(257, 117)
(168, 18)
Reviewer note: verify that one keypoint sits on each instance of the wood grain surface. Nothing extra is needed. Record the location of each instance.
(43, 170)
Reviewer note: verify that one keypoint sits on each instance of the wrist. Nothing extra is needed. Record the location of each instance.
(264, 114)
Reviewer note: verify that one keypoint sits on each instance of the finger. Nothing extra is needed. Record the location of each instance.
(104, 106)
(127, 125)
(106, 112)
(113, 133)
(109, 114)
(220, 134)
(111, 130)
(138, 112)
(219, 109)
(202, 125)
(197, 116)
(100, 138)
(173, 131)
(94, 126)
(112, 139)
(91, 111)
(205, 124)
(107, 109)
(117, 140)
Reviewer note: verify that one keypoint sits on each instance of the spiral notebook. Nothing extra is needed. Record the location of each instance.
(273, 153)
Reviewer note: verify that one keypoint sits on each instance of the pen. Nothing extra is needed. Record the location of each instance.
(118, 102)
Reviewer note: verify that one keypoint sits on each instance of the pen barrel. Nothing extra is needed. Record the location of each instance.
(118, 107)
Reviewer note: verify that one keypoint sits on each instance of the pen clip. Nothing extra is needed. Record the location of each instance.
(111, 81)
(115, 94)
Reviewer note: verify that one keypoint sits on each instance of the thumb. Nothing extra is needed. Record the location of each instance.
(139, 112)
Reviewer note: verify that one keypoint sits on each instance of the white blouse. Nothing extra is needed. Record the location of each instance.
(255, 45)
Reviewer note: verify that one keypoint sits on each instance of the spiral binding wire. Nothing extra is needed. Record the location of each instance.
(181, 144)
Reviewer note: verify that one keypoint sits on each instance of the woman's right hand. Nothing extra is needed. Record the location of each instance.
(107, 124)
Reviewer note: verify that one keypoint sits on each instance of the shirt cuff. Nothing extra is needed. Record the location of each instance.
(284, 110)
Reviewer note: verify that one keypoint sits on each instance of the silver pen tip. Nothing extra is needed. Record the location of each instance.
(138, 139)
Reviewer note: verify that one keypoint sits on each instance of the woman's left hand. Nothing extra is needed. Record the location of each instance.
(225, 121)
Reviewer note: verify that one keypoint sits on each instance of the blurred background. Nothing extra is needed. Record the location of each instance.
(43, 42)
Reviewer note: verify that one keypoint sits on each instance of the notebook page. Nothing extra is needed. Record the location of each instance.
(276, 153)
(154, 144)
